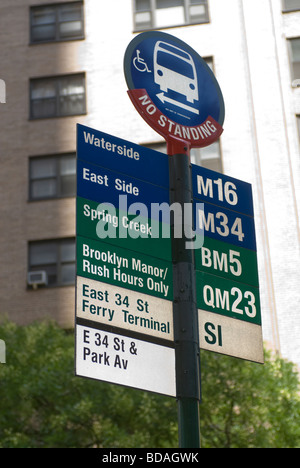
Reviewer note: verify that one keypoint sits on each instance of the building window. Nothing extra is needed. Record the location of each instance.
(158, 146)
(209, 157)
(58, 22)
(57, 96)
(294, 49)
(54, 257)
(52, 177)
(150, 14)
(291, 5)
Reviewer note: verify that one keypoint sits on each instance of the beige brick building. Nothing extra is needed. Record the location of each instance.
(62, 64)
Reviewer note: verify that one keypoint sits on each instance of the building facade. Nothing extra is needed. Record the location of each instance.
(61, 63)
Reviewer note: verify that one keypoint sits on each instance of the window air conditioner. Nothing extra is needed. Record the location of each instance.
(37, 278)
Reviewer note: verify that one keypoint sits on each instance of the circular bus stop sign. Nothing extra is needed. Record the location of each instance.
(174, 90)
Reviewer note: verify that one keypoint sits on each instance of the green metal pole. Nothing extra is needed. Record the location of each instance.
(188, 423)
(186, 331)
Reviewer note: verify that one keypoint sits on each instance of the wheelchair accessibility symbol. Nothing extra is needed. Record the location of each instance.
(139, 63)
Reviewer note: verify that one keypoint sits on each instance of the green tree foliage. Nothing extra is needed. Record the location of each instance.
(249, 405)
(43, 404)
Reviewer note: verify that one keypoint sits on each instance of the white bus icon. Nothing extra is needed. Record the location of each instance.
(174, 69)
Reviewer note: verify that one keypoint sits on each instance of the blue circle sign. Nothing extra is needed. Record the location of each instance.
(174, 89)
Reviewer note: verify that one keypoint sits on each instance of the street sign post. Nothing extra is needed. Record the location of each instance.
(216, 292)
(147, 298)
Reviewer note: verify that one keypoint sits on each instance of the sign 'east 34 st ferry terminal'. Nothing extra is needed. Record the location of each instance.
(147, 299)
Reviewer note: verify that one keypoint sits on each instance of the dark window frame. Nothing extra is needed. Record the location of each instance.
(286, 9)
(57, 82)
(213, 163)
(187, 21)
(298, 125)
(197, 155)
(293, 64)
(55, 267)
(57, 8)
(58, 176)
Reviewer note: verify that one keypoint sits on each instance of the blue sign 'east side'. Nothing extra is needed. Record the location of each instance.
(105, 186)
